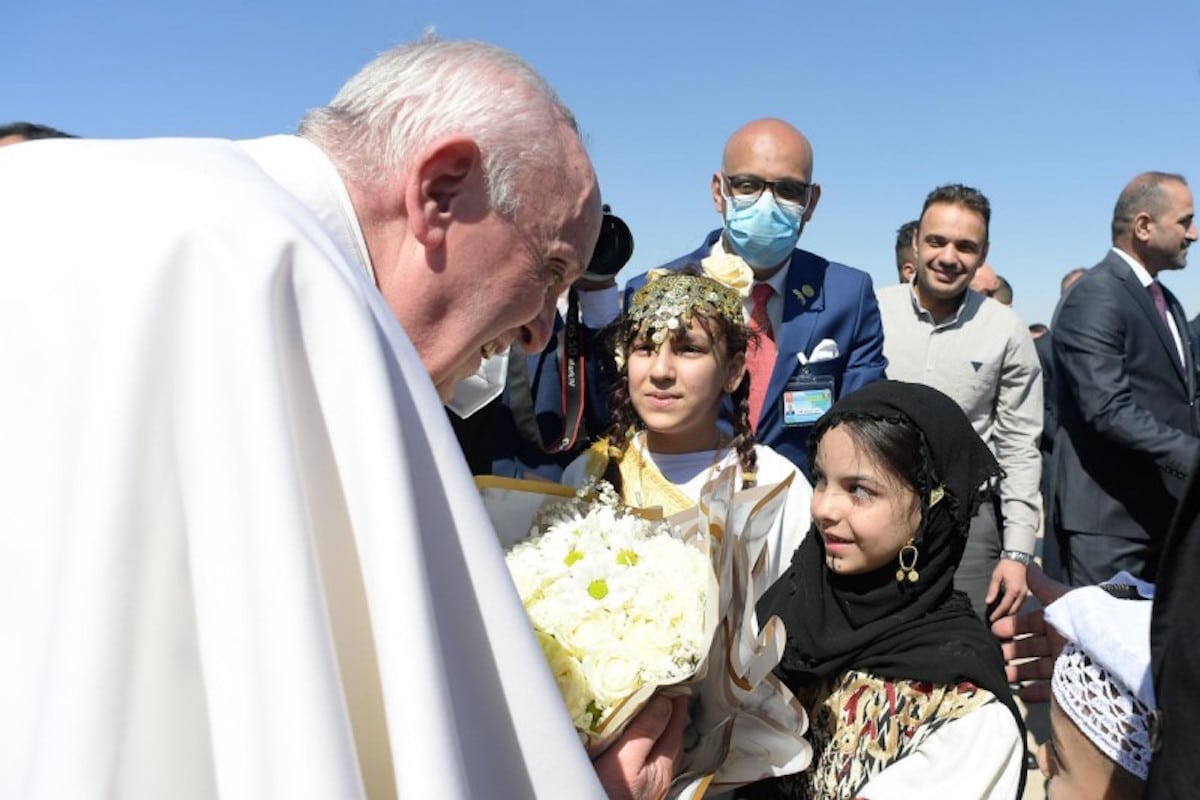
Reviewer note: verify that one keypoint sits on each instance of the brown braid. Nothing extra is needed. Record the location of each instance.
(743, 434)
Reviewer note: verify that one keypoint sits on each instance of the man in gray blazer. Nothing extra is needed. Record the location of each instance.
(1128, 425)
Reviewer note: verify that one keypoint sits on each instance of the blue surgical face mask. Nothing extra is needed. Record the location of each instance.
(763, 233)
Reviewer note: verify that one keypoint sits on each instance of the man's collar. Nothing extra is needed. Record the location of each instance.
(302, 169)
(1143, 276)
(920, 310)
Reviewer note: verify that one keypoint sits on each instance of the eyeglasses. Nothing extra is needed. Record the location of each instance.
(748, 188)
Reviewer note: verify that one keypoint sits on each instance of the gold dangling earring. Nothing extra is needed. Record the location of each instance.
(908, 564)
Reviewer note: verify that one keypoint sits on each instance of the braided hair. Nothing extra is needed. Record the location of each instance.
(730, 337)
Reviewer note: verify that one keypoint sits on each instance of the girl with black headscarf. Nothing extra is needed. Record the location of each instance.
(904, 685)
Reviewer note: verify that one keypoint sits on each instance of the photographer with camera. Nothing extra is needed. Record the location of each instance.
(528, 416)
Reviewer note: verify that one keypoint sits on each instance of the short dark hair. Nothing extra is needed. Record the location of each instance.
(1038, 328)
(960, 195)
(904, 242)
(31, 130)
(1143, 194)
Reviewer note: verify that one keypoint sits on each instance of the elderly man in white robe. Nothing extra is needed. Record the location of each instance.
(240, 553)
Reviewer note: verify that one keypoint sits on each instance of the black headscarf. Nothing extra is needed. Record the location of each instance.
(923, 631)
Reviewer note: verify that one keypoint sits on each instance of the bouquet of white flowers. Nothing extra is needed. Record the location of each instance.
(626, 605)
(621, 605)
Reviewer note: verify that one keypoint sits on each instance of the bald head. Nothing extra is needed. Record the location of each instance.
(985, 281)
(773, 151)
(772, 145)
(1147, 194)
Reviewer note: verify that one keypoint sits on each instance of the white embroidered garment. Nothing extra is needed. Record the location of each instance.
(690, 471)
(240, 554)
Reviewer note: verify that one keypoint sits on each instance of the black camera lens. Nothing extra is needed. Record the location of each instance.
(614, 247)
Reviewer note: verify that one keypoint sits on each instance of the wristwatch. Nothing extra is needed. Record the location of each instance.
(1016, 555)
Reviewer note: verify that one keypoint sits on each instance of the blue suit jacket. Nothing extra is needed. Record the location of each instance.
(842, 308)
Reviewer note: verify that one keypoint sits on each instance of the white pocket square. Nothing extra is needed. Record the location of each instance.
(825, 350)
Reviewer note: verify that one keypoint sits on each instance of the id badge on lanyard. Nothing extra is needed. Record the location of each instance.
(806, 397)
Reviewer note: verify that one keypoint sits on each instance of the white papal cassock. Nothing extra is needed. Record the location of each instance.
(240, 554)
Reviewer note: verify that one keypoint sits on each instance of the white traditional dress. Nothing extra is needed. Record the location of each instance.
(240, 554)
(673, 482)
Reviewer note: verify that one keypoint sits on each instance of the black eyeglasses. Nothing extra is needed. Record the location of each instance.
(749, 188)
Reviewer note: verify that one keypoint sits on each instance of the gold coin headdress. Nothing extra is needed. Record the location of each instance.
(670, 300)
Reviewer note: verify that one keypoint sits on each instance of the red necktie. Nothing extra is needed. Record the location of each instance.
(760, 357)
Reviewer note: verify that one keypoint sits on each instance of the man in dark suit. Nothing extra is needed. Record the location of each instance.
(818, 318)
(1128, 425)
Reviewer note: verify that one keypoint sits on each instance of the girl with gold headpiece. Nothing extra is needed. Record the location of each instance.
(681, 350)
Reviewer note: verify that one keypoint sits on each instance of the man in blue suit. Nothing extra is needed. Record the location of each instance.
(818, 317)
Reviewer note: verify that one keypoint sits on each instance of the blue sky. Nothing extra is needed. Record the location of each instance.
(1048, 107)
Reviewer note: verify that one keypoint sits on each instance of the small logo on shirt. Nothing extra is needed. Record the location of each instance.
(977, 365)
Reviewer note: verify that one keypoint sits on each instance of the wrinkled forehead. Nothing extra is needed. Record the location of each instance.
(562, 208)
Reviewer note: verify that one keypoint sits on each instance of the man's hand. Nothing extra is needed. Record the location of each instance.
(1011, 575)
(640, 764)
(1027, 636)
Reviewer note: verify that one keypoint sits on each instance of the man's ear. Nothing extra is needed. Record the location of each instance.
(1141, 226)
(441, 186)
(718, 200)
(813, 198)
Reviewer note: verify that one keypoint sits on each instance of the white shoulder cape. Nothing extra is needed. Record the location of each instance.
(240, 554)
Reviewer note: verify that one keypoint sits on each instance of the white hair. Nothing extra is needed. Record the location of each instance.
(420, 92)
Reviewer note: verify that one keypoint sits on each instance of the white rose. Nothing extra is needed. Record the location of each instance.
(730, 270)
(611, 674)
(568, 674)
(644, 645)
(585, 633)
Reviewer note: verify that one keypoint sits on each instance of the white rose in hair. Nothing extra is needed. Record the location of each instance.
(730, 270)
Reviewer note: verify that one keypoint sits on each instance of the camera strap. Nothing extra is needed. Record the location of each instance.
(572, 376)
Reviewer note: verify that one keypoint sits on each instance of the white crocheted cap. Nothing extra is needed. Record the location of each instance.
(1102, 678)
(1110, 716)
(1114, 631)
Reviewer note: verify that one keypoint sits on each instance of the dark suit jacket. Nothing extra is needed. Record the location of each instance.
(842, 308)
(1127, 437)
(1044, 345)
(1175, 655)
